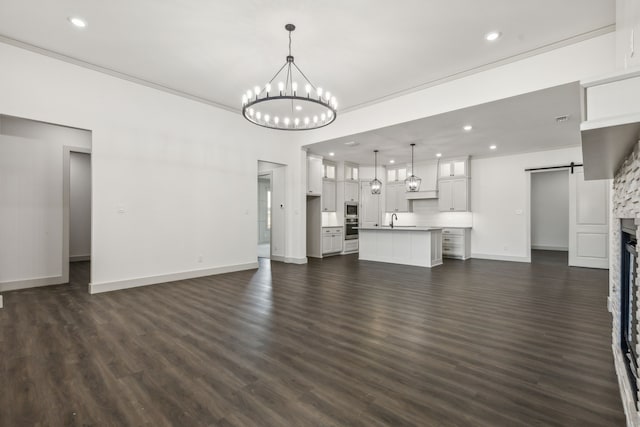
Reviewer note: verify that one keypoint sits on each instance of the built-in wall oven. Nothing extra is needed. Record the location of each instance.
(350, 228)
(351, 210)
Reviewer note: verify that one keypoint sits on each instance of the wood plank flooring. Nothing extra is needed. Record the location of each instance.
(336, 342)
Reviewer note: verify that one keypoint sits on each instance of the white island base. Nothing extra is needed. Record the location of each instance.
(419, 246)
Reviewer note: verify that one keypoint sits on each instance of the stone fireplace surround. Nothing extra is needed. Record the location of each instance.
(625, 204)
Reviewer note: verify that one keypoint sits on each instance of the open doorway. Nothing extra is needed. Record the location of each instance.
(264, 215)
(550, 216)
(35, 187)
(271, 233)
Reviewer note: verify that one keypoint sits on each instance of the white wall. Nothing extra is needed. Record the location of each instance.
(499, 200)
(168, 172)
(80, 206)
(627, 33)
(550, 210)
(590, 58)
(31, 212)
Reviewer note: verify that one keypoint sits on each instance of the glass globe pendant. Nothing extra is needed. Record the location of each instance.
(376, 185)
(412, 183)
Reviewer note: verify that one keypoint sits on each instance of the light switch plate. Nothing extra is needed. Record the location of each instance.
(518, 211)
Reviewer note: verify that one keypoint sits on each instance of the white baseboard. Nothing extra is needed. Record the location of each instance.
(76, 258)
(96, 288)
(31, 283)
(501, 257)
(549, 248)
(291, 260)
(278, 258)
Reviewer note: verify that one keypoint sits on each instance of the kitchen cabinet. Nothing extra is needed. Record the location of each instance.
(315, 172)
(350, 172)
(328, 170)
(396, 198)
(454, 168)
(351, 191)
(331, 240)
(456, 243)
(369, 206)
(351, 246)
(453, 195)
(328, 195)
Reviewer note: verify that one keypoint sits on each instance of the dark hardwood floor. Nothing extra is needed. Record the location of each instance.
(335, 342)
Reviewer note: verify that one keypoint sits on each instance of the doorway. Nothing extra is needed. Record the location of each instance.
(550, 216)
(568, 217)
(271, 212)
(264, 215)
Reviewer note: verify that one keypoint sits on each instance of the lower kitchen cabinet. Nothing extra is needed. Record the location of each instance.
(332, 240)
(351, 246)
(456, 243)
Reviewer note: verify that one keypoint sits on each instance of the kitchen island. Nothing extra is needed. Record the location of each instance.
(419, 246)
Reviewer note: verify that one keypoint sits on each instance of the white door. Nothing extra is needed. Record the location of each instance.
(445, 195)
(588, 221)
(370, 207)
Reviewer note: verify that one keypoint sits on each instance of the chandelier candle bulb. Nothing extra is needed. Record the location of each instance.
(267, 88)
(307, 87)
(294, 87)
(277, 120)
(266, 118)
(296, 121)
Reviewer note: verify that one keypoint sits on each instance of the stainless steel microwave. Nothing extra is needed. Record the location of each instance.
(351, 210)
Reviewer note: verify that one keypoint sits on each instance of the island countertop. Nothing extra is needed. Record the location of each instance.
(401, 228)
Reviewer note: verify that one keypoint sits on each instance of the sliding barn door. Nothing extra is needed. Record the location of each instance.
(588, 221)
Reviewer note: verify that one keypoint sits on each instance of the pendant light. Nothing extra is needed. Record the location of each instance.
(412, 183)
(376, 185)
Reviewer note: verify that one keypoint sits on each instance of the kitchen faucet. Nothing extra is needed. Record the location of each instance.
(391, 223)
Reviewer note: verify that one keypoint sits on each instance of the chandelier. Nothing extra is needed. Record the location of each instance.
(412, 183)
(293, 103)
(375, 184)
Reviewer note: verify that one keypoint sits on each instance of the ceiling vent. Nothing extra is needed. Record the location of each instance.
(562, 119)
(351, 143)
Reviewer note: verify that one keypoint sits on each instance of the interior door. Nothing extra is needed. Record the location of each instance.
(370, 207)
(588, 221)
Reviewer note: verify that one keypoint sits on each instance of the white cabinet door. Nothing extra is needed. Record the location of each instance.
(459, 197)
(445, 196)
(390, 198)
(337, 242)
(369, 206)
(315, 170)
(458, 168)
(351, 191)
(588, 221)
(328, 196)
(402, 204)
(327, 243)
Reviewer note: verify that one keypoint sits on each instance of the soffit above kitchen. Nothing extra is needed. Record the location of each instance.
(363, 50)
(542, 120)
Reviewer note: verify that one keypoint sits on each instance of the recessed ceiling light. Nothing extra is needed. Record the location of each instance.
(439, 155)
(493, 147)
(78, 22)
(298, 107)
(467, 127)
(392, 161)
(493, 36)
(332, 154)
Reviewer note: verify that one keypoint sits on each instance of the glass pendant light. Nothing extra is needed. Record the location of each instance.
(412, 183)
(376, 185)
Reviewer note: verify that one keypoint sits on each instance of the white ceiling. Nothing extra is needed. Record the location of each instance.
(515, 125)
(360, 50)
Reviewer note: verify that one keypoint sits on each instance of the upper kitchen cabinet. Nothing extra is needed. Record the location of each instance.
(328, 170)
(454, 168)
(351, 172)
(351, 191)
(328, 195)
(396, 198)
(453, 195)
(315, 172)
